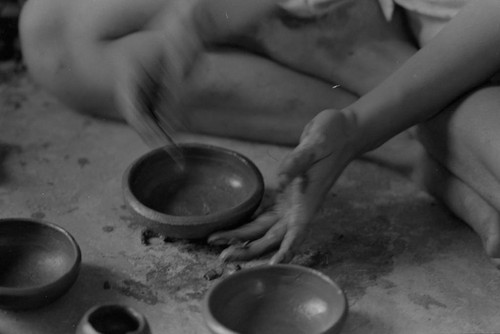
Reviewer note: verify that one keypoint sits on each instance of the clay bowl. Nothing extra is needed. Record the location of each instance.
(275, 299)
(113, 318)
(39, 262)
(217, 189)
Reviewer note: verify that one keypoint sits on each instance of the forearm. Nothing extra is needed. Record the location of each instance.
(465, 54)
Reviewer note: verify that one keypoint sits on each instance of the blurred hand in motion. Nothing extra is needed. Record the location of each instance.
(156, 61)
(151, 74)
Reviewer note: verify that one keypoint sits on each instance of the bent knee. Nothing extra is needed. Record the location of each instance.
(471, 121)
(47, 48)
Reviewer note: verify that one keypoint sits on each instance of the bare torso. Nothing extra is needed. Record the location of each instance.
(353, 45)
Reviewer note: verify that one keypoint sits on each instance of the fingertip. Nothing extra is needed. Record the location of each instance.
(213, 237)
(237, 242)
(225, 255)
(217, 242)
(274, 260)
(280, 257)
(232, 253)
(218, 237)
(286, 251)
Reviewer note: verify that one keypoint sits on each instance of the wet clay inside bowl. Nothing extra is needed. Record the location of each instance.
(38, 262)
(205, 186)
(276, 299)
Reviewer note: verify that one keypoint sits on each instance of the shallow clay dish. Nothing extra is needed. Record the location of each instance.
(217, 189)
(39, 262)
(275, 299)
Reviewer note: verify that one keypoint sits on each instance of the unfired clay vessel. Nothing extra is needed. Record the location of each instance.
(113, 319)
(277, 299)
(39, 262)
(217, 189)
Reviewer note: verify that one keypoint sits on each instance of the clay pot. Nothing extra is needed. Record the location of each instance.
(113, 319)
(273, 299)
(217, 189)
(39, 262)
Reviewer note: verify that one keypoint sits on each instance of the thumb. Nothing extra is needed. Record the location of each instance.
(301, 159)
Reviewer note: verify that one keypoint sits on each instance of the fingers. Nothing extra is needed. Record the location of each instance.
(250, 231)
(151, 72)
(285, 235)
(269, 242)
(291, 240)
(286, 250)
(181, 50)
(297, 216)
(267, 232)
(282, 229)
(182, 41)
(306, 176)
(137, 95)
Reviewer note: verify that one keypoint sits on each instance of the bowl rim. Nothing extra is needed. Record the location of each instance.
(213, 324)
(142, 321)
(39, 289)
(194, 220)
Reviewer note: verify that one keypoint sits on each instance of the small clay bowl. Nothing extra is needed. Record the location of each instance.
(215, 189)
(113, 318)
(39, 262)
(275, 299)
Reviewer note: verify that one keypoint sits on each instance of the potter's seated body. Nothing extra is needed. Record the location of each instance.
(267, 79)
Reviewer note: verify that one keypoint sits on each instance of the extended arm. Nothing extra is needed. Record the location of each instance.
(465, 54)
(462, 56)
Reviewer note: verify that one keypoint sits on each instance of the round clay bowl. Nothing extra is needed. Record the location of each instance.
(275, 299)
(217, 189)
(39, 262)
(113, 319)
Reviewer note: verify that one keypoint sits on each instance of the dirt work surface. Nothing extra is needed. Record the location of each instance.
(405, 263)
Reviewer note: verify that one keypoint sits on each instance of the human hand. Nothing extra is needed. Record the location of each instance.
(155, 62)
(306, 175)
(152, 71)
(282, 223)
(327, 144)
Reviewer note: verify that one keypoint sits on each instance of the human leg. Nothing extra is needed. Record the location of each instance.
(266, 116)
(463, 140)
(233, 93)
(76, 63)
(269, 103)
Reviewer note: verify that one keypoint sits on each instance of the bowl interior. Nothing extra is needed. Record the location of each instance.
(277, 299)
(114, 319)
(33, 254)
(212, 181)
